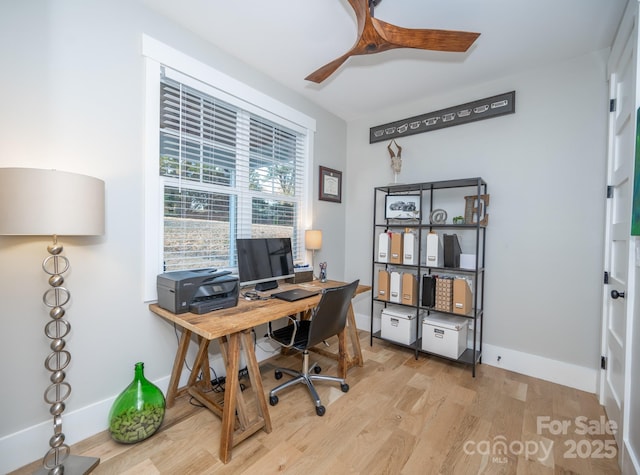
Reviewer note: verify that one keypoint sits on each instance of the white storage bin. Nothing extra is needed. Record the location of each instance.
(444, 335)
(398, 324)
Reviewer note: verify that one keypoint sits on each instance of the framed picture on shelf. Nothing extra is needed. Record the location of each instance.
(402, 207)
(330, 188)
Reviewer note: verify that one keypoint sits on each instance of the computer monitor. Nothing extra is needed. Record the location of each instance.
(264, 261)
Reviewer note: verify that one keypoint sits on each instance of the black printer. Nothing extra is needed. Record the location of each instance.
(197, 291)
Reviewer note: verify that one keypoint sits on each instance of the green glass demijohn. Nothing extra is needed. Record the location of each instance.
(138, 411)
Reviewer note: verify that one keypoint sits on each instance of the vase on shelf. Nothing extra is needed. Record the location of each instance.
(138, 411)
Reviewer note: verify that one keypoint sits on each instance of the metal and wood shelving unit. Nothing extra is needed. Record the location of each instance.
(452, 196)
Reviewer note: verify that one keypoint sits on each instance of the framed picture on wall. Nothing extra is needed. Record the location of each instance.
(402, 207)
(330, 188)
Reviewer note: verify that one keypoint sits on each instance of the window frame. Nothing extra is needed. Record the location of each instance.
(224, 87)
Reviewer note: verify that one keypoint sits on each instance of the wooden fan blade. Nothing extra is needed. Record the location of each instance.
(328, 69)
(361, 7)
(435, 40)
(375, 36)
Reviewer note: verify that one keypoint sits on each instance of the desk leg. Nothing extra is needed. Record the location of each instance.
(355, 341)
(241, 410)
(178, 364)
(231, 346)
(256, 379)
(201, 364)
(230, 394)
(344, 358)
(205, 369)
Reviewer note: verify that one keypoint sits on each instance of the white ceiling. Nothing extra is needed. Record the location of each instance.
(288, 39)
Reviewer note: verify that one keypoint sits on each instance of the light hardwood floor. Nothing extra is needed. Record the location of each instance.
(401, 416)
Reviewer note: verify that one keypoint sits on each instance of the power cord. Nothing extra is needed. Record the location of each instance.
(216, 387)
(251, 295)
(200, 376)
(217, 382)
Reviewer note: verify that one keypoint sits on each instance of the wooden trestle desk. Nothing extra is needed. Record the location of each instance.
(232, 327)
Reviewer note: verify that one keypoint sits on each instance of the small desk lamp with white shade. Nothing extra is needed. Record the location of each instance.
(313, 242)
(37, 202)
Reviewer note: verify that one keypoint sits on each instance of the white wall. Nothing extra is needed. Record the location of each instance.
(73, 100)
(545, 169)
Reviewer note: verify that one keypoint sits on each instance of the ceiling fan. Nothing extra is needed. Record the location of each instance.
(375, 36)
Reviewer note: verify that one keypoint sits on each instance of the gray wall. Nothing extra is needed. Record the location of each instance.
(73, 99)
(73, 82)
(545, 168)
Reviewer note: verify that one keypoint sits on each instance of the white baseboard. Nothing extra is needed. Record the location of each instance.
(559, 372)
(25, 446)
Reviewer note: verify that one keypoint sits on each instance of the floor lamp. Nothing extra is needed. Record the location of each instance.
(35, 202)
(313, 242)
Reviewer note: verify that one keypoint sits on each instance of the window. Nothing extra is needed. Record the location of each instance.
(224, 168)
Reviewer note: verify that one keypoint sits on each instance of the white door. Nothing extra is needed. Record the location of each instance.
(617, 301)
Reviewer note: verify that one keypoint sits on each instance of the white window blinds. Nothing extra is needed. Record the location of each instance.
(227, 170)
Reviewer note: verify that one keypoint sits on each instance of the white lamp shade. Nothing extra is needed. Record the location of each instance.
(313, 239)
(36, 202)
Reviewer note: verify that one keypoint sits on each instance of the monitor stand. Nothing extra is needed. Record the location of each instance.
(262, 286)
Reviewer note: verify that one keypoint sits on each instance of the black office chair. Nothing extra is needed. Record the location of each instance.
(328, 318)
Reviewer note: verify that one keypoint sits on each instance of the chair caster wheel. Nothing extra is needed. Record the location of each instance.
(317, 369)
(273, 400)
(320, 410)
(278, 374)
(344, 387)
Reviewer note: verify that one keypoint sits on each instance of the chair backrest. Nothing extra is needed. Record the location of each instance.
(330, 315)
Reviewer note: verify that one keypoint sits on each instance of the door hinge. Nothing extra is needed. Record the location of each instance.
(609, 191)
(603, 362)
(612, 105)
(606, 277)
